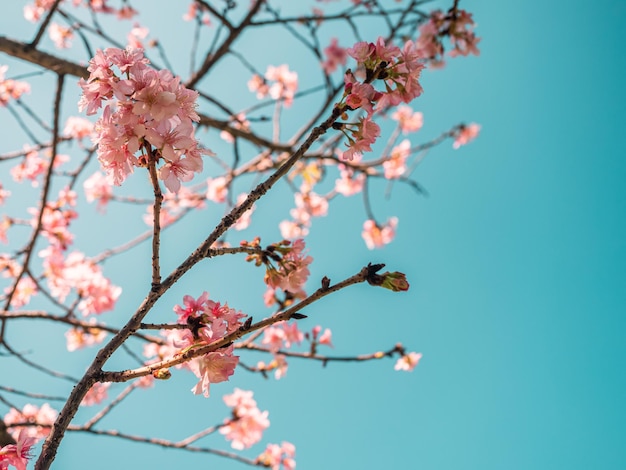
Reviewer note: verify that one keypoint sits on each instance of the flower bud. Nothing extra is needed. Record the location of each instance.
(394, 281)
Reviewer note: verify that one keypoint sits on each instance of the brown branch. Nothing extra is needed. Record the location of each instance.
(123, 376)
(211, 59)
(156, 219)
(165, 443)
(43, 201)
(44, 24)
(398, 348)
(56, 64)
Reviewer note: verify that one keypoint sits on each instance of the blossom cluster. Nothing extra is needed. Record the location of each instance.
(276, 455)
(283, 335)
(208, 321)
(247, 424)
(458, 25)
(9, 88)
(150, 112)
(286, 267)
(398, 69)
(279, 82)
(39, 418)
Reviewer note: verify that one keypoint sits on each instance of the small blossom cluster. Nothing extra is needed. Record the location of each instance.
(335, 56)
(457, 25)
(80, 337)
(10, 89)
(75, 271)
(308, 205)
(35, 11)
(32, 166)
(284, 86)
(286, 267)
(465, 134)
(276, 455)
(292, 272)
(96, 394)
(208, 321)
(151, 112)
(377, 236)
(408, 361)
(41, 418)
(247, 424)
(398, 69)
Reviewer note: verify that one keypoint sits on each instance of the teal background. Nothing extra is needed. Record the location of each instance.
(516, 263)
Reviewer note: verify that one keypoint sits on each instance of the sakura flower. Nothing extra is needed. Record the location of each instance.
(214, 367)
(349, 183)
(466, 134)
(217, 189)
(17, 454)
(248, 423)
(407, 119)
(291, 230)
(274, 456)
(78, 128)
(335, 56)
(98, 188)
(376, 236)
(4, 194)
(395, 165)
(286, 83)
(24, 290)
(136, 35)
(60, 35)
(96, 394)
(10, 89)
(365, 134)
(324, 338)
(43, 415)
(408, 362)
(78, 338)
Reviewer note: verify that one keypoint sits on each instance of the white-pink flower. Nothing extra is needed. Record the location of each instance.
(408, 362)
(376, 236)
(466, 134)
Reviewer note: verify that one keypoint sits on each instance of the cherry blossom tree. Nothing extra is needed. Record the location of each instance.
(128, 130)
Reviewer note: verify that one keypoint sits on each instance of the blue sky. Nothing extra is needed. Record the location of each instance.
(516, 262)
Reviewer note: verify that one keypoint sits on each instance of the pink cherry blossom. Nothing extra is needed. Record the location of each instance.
(212, 368)
(17, 454)
(407, 119)
(325, 338)
(98, 188)
(43, 415)
(217, 189)
(466, 134)
(408, 361)
(335, 56)
(376, 236)
(78, 337)
(395, 165)
(60, 35)
(10, 89)
(24, 290)
(285, 83)
(362, 137)
(349, 183)
(274, 456)
(248, 423)
(96, 394)
(78, 128)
